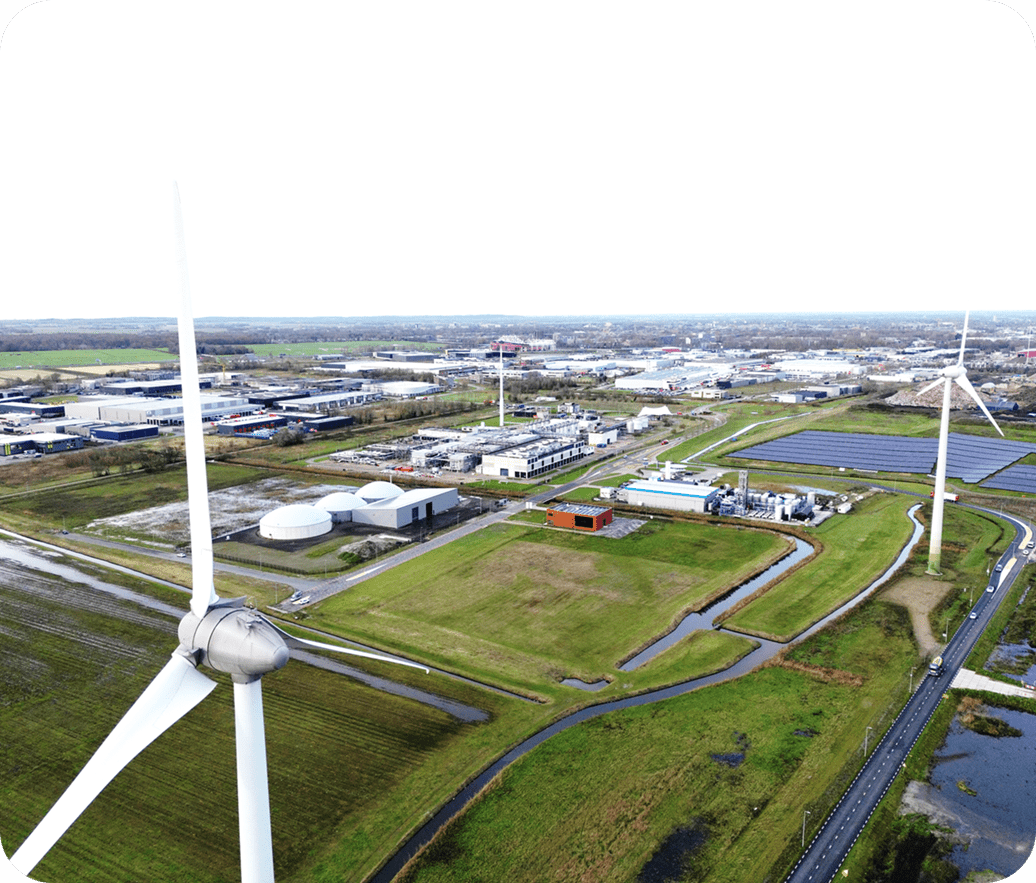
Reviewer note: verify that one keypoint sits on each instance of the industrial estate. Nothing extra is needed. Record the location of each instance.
(674, 581)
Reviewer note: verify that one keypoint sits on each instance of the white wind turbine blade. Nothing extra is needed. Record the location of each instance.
(204, 591)
(8, 872)
(963, 338)
(253, 787)
(932, 385)
(965, 384)
(176, 689)
(303, 643)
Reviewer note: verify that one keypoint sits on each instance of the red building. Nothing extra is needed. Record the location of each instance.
(579, 517)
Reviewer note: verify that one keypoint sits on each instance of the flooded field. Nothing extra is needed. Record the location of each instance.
(984, 788)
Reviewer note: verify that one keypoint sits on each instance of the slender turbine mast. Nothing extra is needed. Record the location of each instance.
(217, 632)
(950, 375)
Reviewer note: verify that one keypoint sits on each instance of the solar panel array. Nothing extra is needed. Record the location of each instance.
(970, 458)
(1018, 478)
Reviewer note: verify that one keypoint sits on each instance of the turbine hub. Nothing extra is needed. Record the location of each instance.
(234, 640)
(954, 371)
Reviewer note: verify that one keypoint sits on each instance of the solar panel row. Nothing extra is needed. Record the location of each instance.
(970, 458)
(1017, 478)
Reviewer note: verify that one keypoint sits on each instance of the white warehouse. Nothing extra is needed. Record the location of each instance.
(680, 495)
(406, 508)
(160, 412)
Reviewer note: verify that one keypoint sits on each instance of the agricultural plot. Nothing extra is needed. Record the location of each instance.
(349, 766)
(43, 359)
(526, 607)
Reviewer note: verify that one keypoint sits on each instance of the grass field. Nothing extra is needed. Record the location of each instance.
(857, 549)
(70, 358)
(597, 801)
(349, 766)
(525, 607)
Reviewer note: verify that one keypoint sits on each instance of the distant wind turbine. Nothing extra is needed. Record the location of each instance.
(218, 632)
(950, 375)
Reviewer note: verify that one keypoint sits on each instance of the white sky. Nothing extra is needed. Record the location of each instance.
(539, 157)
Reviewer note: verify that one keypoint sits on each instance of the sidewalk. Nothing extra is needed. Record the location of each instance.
(966, 679)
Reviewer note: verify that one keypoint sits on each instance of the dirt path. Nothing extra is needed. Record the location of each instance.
(920, 595)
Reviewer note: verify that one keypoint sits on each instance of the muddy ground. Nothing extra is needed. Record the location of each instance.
(920, 595)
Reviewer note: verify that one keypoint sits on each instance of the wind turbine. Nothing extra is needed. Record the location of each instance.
(218, 632)
(950, 375)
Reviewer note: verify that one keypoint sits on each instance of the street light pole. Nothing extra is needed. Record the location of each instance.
(805, 813)
(866, 733)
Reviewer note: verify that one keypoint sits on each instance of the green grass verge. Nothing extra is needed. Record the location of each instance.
(858, 547)
(596, 801)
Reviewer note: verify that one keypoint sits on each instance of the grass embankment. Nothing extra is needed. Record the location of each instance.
(858, 547)
(351, 769)
(598, 800)
(526, 607)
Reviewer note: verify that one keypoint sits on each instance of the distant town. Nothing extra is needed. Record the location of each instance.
(282, 379)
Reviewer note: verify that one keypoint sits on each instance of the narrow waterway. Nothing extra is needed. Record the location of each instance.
(706, 617)
(766, 650)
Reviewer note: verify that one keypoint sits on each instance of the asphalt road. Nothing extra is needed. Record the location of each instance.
(823, 858)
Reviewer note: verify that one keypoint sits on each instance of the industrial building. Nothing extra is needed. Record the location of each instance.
(409, 507)
(579, 517)
(38, 443)
(534, 458)
(331, 401)
(32, 409)
(679, 495)
(157, 412)
(250, 425)
(123, 433)
(377, 504)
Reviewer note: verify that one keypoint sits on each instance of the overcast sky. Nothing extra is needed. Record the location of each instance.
(539, 158)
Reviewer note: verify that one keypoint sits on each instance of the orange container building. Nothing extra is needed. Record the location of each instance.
(579, 517)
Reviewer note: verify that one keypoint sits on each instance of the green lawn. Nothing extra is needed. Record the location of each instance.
(75, 358)
(858, 547)
(526, 606)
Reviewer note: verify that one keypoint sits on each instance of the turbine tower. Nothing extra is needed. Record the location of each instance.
(218, 632)
(950, 375)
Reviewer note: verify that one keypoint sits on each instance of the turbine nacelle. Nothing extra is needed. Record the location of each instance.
(235, 640)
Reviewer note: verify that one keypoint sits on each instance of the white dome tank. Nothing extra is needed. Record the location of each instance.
(378, 490)
(294, 522)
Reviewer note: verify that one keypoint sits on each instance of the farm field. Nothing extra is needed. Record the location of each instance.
(350, 767)
(43, 359)
(525, 606)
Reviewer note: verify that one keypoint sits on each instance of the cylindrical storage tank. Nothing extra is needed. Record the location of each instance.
(340, 505)
(378, 490)
(296, 522)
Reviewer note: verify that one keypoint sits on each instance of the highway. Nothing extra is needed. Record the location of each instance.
(823, 858)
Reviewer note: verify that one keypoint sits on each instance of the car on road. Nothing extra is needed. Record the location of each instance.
(973, 615)
(991, 588)
(998, 568)
(303, 600)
